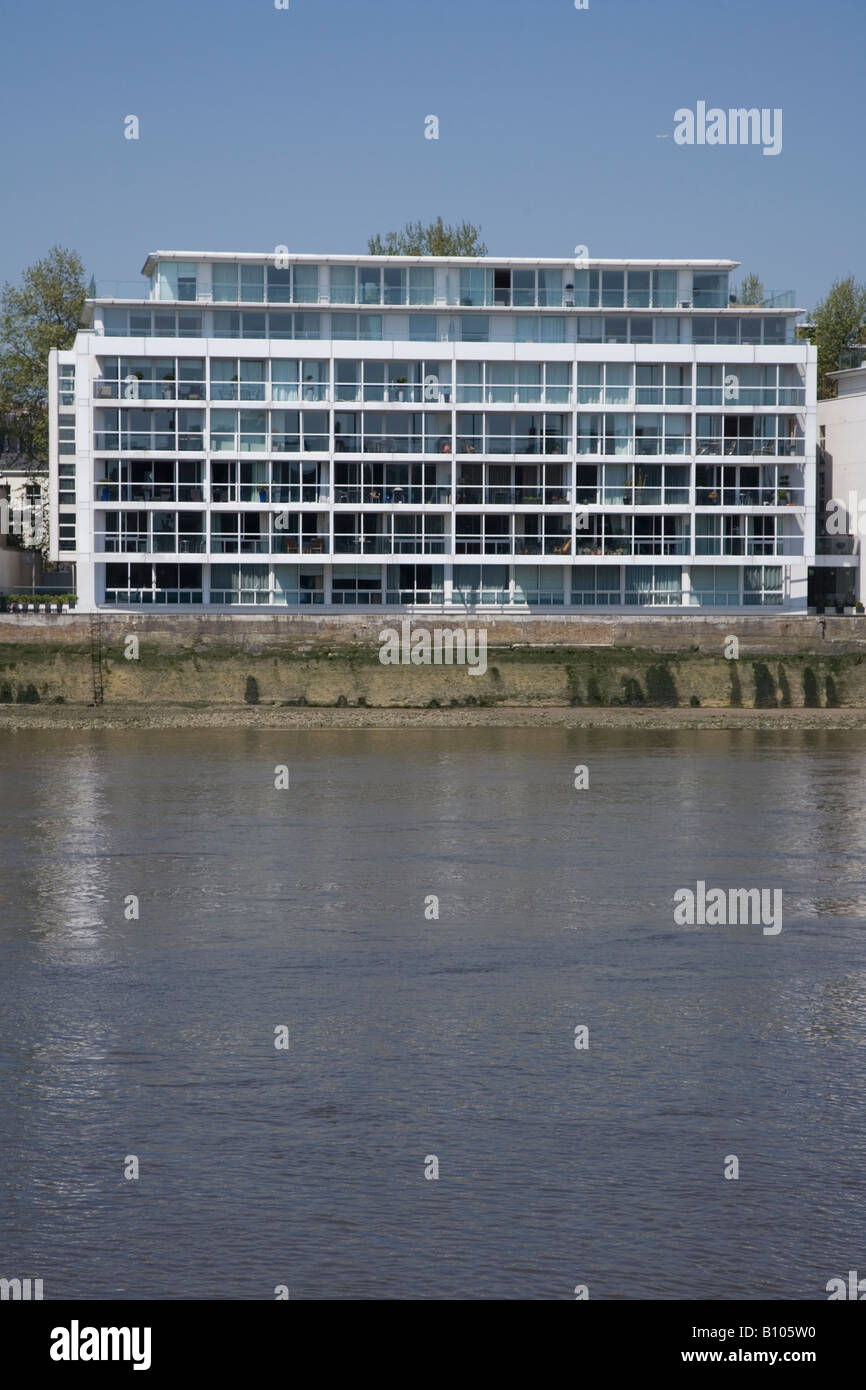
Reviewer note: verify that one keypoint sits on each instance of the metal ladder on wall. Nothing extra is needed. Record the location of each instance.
(96, 657)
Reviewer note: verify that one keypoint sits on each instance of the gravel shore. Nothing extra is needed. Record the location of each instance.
(15, 717)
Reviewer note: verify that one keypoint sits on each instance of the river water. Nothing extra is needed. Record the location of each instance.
(413, 1037)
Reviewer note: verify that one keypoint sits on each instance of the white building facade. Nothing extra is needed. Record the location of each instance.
(292, 431)
(839, 580)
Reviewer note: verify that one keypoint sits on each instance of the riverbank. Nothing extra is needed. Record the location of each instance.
(14, 718)
(216, 664)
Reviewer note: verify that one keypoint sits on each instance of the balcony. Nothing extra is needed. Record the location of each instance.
(378, 494)
(752, 446)
(750, 497)
(129, 597)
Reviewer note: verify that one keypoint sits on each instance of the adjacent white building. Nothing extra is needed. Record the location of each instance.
(839, 580)
(274, 432)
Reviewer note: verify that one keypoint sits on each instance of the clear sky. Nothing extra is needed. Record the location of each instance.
(305, 127)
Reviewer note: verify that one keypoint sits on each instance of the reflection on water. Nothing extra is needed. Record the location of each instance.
(413, 1035)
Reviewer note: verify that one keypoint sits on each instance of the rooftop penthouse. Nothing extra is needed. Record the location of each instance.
(416, 432)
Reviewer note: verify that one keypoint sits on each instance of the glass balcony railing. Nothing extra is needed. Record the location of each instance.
(362, 598)
(425, 597)
(746, 445)
(530, 495)
(107, 389)
(710, 496)
(130, 542)
(377, 494)
(540, 598)
(656, 598)
(596, 598)
(152, 596)
(109, 490)
(260, 597)
(386, 545)
(112, 440)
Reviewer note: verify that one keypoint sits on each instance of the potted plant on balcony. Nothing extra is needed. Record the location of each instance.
(401, 388)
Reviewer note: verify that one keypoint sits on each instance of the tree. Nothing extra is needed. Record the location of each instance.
(43, 313)
(751, 291)
(838, 323)
(433, 240)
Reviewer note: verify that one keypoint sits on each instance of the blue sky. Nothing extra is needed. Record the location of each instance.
(305, 127)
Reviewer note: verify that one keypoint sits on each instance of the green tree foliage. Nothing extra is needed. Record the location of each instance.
(40, 314)
(838, 324)
(433, 240)
(751, 291)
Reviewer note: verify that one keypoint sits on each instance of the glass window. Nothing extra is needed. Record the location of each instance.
(475, 328)
(347, 380)
(664, 289)
(557, 378)
(186, 280)
(114, 322)
(638, 289)
(666, 330)
(306, 283)
(589, 383)
(342, 284)
(710, 290)
(284, 381)
(523, 289)
(395, 285)
(308, 326)
(421, 285)
(648, 385)
(226, 324)
(641, 330)
(253, 283)
(612, 289)
(703, 330)
(617, 385)
(586, 288)
(254, 325)
(476, 286)
(279, 285)
(550, 290)
(369, 285)
(526, 328)
(252, 381)
(370, 326)
(280, 325)
(422, 328)
(225, 283)
(616, 330)
(552, 328)
(344, 326)
(223, 378)
(589, 330)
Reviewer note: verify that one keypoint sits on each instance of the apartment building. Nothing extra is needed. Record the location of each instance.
(253, 432)
(838, 581)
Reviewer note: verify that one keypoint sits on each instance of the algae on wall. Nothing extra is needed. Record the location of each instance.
(314, 674)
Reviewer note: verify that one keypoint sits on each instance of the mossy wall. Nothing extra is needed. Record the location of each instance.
(193, 661)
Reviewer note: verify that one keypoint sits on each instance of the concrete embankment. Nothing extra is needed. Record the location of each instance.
(333, 660)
